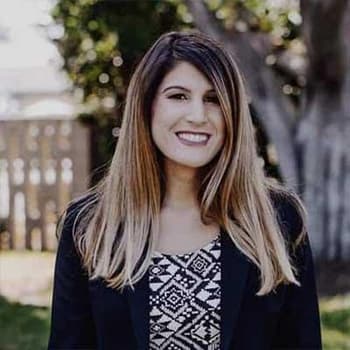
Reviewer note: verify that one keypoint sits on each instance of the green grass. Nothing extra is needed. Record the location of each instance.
(335, 318)
(23, 327)
(27, 327)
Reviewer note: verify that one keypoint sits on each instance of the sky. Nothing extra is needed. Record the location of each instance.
(22, 43)
(29, 60)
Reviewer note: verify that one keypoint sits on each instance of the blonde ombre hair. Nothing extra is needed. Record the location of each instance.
(116, 229)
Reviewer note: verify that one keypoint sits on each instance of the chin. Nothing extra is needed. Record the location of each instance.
(190, 163)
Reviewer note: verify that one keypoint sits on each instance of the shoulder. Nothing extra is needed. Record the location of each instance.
(69, 263)
(68, 254)
(290, 214)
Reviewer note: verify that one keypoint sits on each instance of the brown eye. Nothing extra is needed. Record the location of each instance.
(178, 97)
(212, 99)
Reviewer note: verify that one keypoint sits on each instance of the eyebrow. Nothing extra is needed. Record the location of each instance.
(182, 88)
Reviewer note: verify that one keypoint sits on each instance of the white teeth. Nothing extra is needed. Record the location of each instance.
(193, 137)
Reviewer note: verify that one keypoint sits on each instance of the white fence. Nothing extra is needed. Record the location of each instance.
(43, 164)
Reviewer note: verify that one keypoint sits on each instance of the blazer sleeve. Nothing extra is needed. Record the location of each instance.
(72, 325)
(299, 324)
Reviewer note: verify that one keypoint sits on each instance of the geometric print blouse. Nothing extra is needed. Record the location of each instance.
(185, 299)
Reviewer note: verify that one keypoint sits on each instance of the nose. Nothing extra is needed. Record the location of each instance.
(197, 112)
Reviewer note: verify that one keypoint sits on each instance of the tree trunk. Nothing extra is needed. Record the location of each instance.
(324, 130)
(325, 150)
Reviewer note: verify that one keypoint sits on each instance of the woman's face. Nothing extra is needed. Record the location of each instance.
(187, 122)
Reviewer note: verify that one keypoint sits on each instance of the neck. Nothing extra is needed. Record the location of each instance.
(181, 188)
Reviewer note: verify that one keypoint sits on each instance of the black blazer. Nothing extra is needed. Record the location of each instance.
(89, 315)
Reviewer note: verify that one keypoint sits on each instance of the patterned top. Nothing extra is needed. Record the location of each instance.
(185, 299)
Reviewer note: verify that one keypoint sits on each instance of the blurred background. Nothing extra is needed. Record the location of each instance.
(64, 69)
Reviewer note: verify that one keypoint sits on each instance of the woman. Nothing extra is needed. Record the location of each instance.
(185, 244)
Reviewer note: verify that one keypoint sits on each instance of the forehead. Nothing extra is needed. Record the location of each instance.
(187, 75)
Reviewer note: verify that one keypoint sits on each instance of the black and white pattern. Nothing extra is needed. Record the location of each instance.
(185, 299)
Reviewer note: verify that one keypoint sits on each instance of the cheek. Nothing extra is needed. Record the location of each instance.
(159, 114)
(164, 117)
(160, 126)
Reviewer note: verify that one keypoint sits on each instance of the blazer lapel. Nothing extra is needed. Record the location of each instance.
(234, 273)
(139, 311)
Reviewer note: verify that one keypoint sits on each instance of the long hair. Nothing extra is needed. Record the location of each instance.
(119, 227)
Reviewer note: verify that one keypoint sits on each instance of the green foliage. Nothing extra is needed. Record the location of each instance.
(279, 22)
(278, 18)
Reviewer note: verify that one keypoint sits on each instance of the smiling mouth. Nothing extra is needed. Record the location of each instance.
(190, 138)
